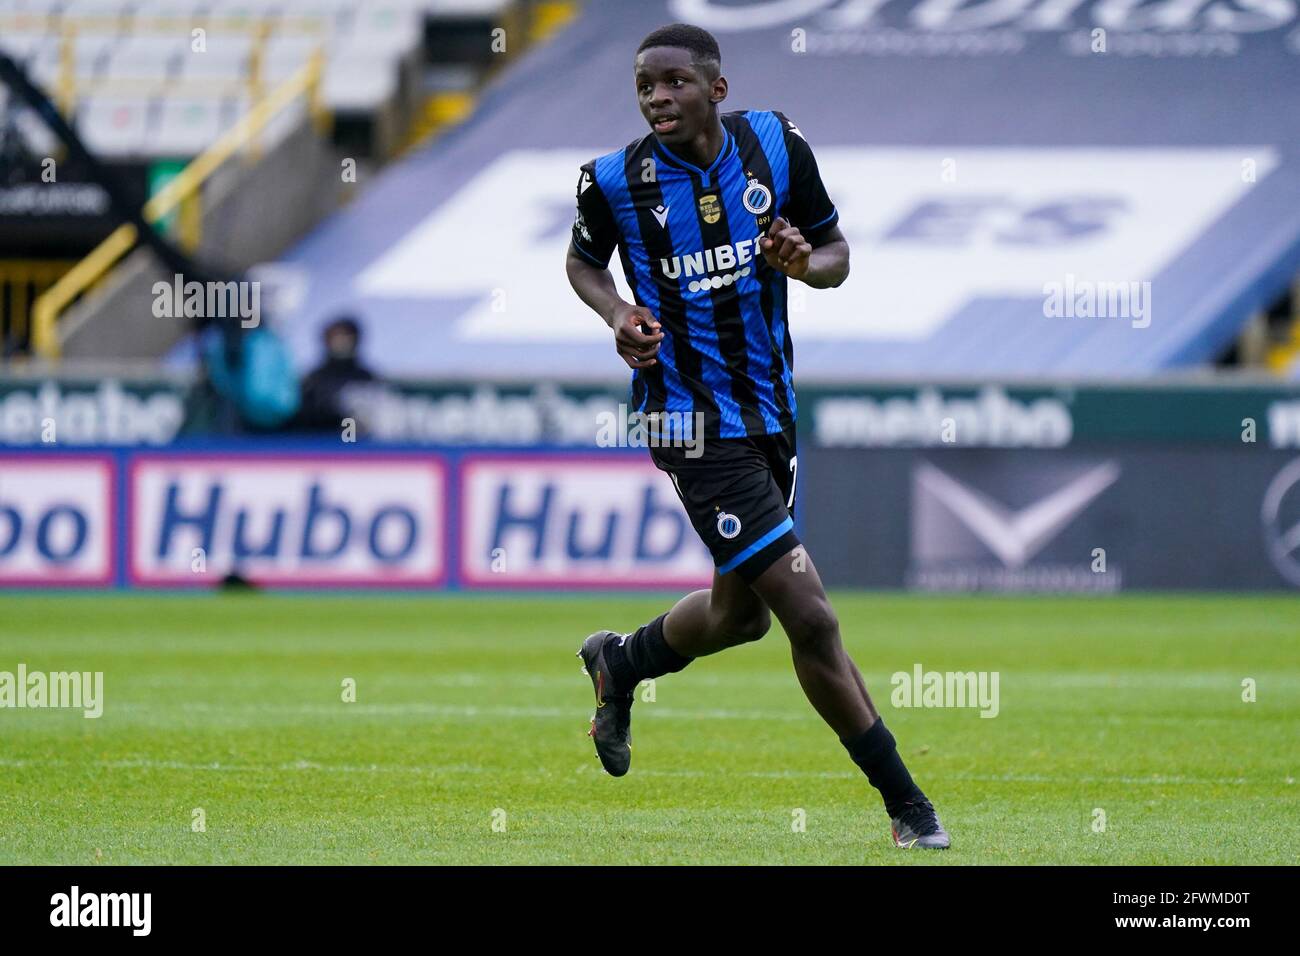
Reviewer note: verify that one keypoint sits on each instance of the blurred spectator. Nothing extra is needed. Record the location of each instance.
(251, 374)
(322, 389)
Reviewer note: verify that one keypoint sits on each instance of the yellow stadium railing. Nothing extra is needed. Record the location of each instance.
(20, 281)
(1284, 356)
(180, 193)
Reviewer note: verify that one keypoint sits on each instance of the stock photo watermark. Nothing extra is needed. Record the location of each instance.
(75, 908)
(208, 300)
(633, 429)
(1076, 298)
(55, 690)
(921, 688)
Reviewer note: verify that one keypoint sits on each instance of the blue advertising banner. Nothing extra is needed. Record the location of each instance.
(1095, 517)
(311, 515)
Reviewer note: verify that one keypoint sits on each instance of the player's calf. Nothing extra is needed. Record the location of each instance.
(835, 688)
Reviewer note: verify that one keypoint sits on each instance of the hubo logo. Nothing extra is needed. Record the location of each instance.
(730, 260)
(538, 520)
(1280, 514)
(306, 519)
(965, 539)
(57, 520)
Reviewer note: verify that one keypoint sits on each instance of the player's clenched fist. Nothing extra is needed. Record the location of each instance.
(785, 249)
(637, 335)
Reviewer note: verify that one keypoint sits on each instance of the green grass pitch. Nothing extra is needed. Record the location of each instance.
(466, 743)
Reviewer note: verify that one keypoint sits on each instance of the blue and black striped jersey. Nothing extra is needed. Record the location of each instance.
(688, 239)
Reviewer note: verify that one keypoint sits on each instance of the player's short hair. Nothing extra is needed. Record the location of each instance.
(705, 55)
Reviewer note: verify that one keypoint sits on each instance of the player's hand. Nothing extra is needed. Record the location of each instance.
(637, 336)
(785, 249)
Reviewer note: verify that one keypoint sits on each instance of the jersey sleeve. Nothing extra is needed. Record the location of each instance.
(808, 206)
(594, 233)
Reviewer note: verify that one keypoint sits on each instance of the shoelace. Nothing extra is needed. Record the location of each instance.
(920, 817)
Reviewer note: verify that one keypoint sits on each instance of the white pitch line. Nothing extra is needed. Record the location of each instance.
(578, 713)
(1028, 681)
(307, 766)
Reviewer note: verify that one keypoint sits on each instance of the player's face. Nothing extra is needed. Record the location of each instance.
(675, 97)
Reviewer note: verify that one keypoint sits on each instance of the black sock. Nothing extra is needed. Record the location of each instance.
(644, 654)
(876, 753)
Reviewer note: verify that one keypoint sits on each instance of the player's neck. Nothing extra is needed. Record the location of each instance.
(704, 148)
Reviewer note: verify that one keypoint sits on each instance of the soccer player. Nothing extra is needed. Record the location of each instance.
(711, 214)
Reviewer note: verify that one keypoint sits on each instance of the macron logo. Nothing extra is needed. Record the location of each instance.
(103, 909)
(660, 214)
(1016, 536)
(583, 183)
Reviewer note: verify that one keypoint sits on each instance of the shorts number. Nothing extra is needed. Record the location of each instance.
(794, 477)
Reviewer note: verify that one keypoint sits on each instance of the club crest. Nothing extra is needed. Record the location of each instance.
(728, 525)
(757, 197)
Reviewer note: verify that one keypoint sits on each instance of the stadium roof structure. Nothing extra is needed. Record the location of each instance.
(1028, 189)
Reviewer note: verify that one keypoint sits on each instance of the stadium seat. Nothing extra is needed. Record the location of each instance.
(226, 58)
(385, 30)
(147, 57)
(43, 66)
(23, 45)
(171, 8)
(95, 8)
(368, 49)
(358, 83)
(87, 8)
(114, 126)
(285, 55)
(91, 53)
(187, 125)
(467, 8)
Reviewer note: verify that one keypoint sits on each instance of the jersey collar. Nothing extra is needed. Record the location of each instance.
(727, 151)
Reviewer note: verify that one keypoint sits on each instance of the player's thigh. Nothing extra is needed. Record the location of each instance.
(734, 602)
(793, 590)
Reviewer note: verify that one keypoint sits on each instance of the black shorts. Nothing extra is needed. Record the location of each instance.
(739, 493)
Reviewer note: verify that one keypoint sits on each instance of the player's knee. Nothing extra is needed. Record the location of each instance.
(741, 627)
(814, 623)
(749, 628)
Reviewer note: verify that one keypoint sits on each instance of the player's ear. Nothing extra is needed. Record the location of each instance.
(718, 91)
